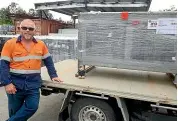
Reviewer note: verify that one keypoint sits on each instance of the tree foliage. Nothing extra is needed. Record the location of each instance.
(4, 16)
(14, 8)
(172, 8)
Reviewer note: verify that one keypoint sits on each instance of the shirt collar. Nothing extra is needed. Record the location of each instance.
(19, 39)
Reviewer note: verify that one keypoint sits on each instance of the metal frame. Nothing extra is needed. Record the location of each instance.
(76, 87)
(86, 69)
(92, 96)
(116, 63)
(163, 107)
(123, 107)
(72, 7)
(118, 5)
(64, 113)
(41, 14)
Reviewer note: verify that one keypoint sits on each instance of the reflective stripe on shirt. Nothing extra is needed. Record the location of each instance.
(46, 55)
(27, 58)
(5, 58)
(17, 71)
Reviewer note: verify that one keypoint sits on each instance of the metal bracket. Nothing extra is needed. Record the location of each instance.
(45, 14)
(123, 107)
(64, 113)
(163, 107)
(93, 96)
(66, 100)
(86, 70)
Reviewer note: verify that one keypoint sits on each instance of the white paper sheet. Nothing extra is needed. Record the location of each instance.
(167, 26)
(152, 24)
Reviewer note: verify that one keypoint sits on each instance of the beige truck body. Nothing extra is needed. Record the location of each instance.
(138, 85)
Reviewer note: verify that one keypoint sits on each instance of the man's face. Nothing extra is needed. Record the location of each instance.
(27, 30)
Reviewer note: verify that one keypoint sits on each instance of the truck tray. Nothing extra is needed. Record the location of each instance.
(139, 85)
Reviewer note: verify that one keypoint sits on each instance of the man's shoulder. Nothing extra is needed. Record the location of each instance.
(12, 40)
(40, 41)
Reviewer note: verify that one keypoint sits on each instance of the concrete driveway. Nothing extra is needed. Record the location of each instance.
(48, 108)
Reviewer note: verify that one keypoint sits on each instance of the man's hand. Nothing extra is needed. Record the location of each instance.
(10, 89)
(57, 79)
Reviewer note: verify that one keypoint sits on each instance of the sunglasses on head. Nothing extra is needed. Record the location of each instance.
(29, 28)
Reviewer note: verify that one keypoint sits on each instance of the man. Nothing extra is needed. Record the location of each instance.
(20, 71)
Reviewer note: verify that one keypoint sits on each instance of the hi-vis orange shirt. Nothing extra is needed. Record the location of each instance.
(17, 60)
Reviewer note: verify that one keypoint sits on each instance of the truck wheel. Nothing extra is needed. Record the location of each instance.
(89, 109)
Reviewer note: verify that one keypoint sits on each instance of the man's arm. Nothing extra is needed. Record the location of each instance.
(5, 62)
(47, 59)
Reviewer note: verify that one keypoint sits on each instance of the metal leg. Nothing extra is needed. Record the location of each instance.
(77, 74)
(88, 69)
(63, 116)
(123, 107)
(82, 72)
(64, 113)
(85, 70)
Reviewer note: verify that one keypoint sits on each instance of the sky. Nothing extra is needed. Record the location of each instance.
(156, 5)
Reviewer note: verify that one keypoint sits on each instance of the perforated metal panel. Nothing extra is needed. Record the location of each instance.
(59, 48)
(107, 40)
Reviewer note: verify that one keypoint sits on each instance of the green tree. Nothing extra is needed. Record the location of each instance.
(4, 16)
(14, 8)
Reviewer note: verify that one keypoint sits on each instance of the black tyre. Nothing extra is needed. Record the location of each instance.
(89, 109)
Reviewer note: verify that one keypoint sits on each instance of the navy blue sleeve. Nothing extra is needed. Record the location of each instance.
(50, 67)
(4, 73)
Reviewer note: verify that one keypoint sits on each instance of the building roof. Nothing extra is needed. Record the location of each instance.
(71, 7)
(26, 16)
